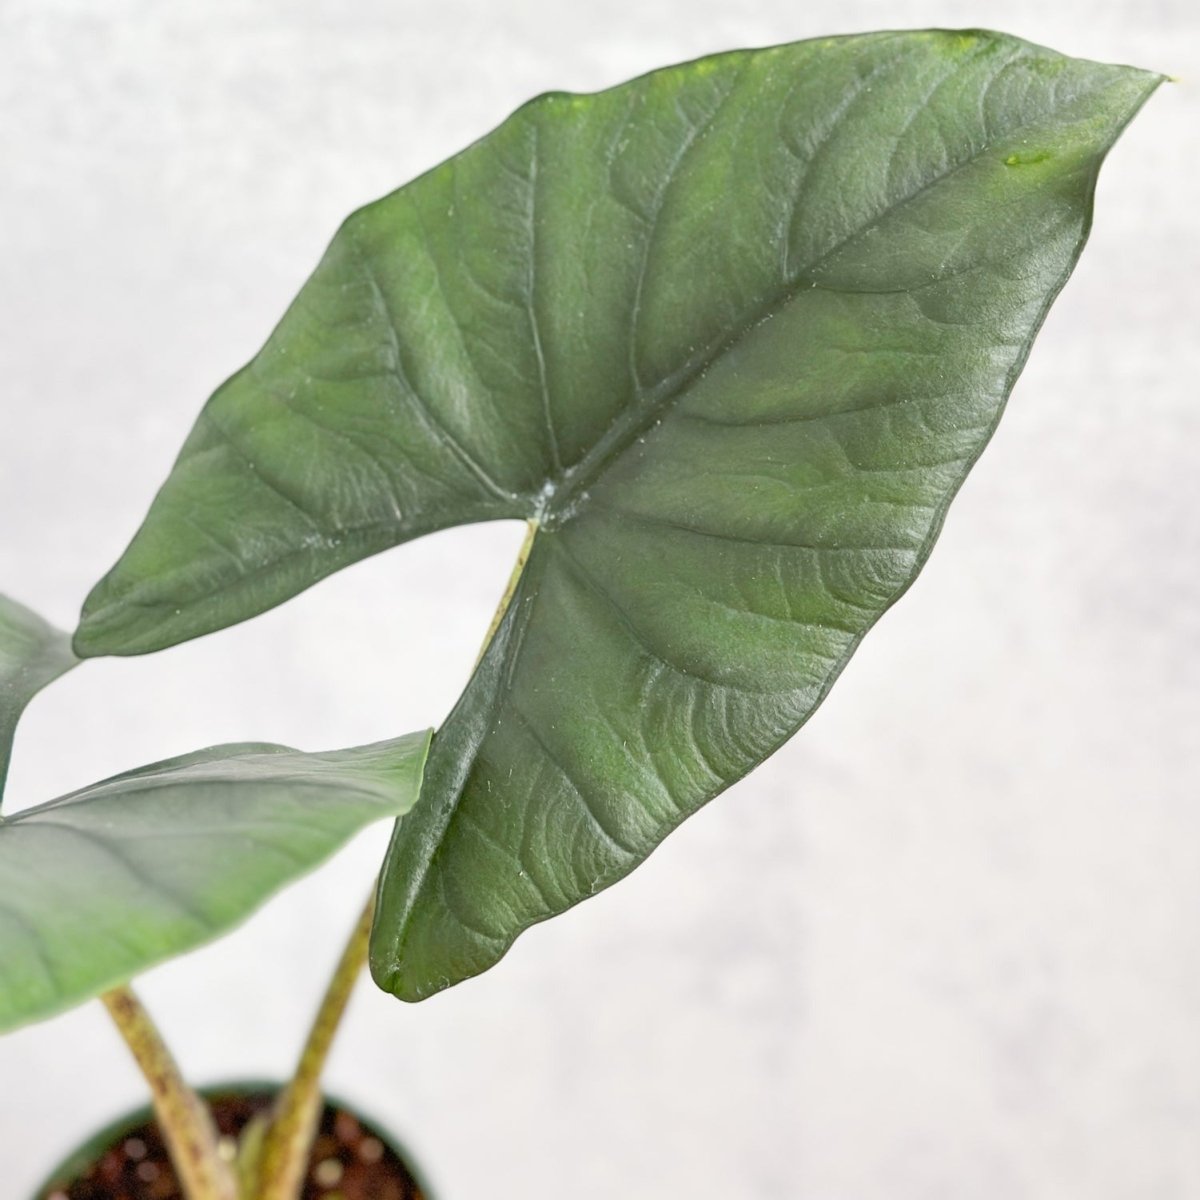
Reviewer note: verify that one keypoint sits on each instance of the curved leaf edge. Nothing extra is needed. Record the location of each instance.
(45, 655)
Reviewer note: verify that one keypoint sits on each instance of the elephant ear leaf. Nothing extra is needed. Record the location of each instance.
(111, 880)
(32, 655)
(730, 337)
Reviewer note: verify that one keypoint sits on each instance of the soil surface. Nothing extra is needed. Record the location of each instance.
(350, 1161)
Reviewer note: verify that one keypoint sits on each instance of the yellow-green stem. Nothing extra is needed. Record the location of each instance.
(287, 1143)
(276, 1165)
(183, 1118)
(510, 589)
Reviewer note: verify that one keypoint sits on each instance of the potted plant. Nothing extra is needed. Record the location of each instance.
(727, 338)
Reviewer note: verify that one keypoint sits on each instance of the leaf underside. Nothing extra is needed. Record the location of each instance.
(111, 880)
(732, 334)
(32, 655)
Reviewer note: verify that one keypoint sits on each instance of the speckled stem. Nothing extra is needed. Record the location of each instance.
(287, 1142)
(183, 1118)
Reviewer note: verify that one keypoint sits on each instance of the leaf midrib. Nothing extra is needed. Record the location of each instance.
(563, 502)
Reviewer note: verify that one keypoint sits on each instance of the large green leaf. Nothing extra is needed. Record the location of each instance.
(32, 654)
(110, 880)
(732, 335)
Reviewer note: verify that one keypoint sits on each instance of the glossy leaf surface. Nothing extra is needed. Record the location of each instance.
(111, 880)
(732, 334)
(32, 655)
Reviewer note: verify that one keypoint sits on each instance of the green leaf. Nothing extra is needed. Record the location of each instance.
(110, 880)
(32, 654)
(732, 334)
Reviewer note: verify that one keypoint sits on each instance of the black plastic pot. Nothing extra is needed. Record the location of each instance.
(125, 1160)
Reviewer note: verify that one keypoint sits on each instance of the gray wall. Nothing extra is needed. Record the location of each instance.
(944, 945)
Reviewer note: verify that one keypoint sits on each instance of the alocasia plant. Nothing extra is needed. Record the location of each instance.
(728, 337)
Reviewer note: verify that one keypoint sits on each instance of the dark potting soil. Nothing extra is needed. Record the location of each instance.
(350, 1161)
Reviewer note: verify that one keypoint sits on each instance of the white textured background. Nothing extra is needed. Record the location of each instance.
(945, 945)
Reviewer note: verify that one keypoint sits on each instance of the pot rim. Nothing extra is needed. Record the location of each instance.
(83, 1155)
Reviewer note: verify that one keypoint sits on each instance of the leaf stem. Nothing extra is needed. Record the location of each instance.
(287, 1143)
(183, 1118)
(510, 589)
(276, 1171)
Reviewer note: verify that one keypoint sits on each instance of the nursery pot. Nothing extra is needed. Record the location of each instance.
(351, 1160)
